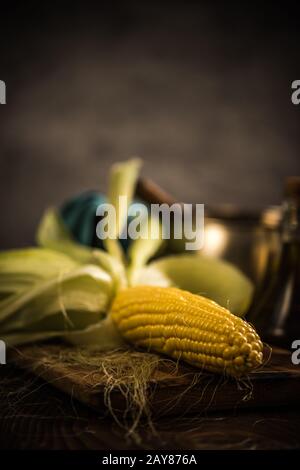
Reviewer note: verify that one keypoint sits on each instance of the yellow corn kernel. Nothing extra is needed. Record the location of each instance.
(189, 327)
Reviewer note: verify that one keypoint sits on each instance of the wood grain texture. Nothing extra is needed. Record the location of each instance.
(36, 415)
(172, 389)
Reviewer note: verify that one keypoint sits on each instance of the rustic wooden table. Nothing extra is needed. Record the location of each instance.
(34, 415)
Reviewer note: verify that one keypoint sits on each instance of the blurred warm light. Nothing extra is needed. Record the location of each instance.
(215, 240)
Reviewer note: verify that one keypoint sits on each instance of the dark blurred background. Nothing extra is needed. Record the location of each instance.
(200, 90)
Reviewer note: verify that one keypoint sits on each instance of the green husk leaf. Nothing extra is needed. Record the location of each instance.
(20, 269)
(144, 248)
(103, 334)
(123, 178)
(70, 301)
(212, 278)
(25, 337)
(52, 233)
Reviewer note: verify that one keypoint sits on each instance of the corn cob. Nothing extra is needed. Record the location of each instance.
(189, 327)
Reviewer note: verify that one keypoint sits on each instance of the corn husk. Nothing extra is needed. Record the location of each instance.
(123, 178)
(212, 278)
(64, 289)
(21, 269)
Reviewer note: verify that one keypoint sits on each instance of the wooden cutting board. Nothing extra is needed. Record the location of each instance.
(172, 389)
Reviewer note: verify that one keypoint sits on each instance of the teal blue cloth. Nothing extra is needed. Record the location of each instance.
(79, 215)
